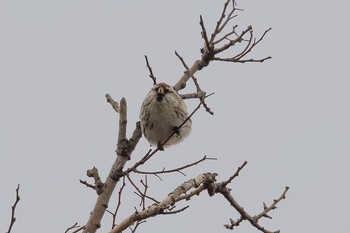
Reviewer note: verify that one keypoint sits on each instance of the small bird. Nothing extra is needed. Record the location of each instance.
(162, 112)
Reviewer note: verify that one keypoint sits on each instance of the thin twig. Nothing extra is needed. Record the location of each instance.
(218, 27)
(199, 90)
(75, 225)
(151, 75)
(272, 206)
(84, 182)
(242, 60)
(175, 211)
(114, 215)
(79, 229)
(13, 218)
(234, 223)
(138, 223)
(204, 33)
(224, 183)
(255, 43)
(139, 192)
(145, 185)
(226, 37)
(175, 169)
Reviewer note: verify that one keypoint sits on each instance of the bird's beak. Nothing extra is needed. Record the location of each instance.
(160, 91)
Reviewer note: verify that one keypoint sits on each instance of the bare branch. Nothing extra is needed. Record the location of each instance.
(145, 185)
(124, 150)
(141, 194)
(13, 218)
(84, 182)
(195, 192)
(224, 183)
(212, 48)
(114, 215)
(98, 183)
(196, 95)
(222, 189)
(226, 36)
(144, 159)
(234, 41)
(204, 33)
(200, 94)
(175, 211)
(234, 223)
(170, 200)
(272, 206)
(79, 229)
(252, 219)
(238, 58)
(136, 226)
(175, 169)
(122, 121)
(246, 51)
(114, 104)
(219, 27)
(242, 60)
(151, 75)
(125, 147)
(74, 227)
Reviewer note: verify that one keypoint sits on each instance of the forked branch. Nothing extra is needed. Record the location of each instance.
(124, 149)
(170, 200)
(215, 45)
(254, 220)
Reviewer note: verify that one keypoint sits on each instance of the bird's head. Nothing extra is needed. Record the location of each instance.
(161, 89)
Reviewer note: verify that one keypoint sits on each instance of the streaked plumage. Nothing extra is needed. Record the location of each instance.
(162, 111)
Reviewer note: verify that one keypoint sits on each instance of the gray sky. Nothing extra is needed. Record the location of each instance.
(288, 117)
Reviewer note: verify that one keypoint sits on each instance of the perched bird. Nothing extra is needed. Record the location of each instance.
(162, 112)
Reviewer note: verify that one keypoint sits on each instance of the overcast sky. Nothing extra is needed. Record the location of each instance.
(288, 117)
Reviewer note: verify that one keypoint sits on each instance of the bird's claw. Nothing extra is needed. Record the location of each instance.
(160, 146)
(177, 130)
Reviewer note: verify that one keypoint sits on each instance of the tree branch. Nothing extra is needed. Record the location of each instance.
(74, 227)
(114, 215)
(151, 75)
(98, 183)
(221, 188)
(212, 49)
(84, 182)
(175, 169)
(170, 200)
(200, 94)
(244, 215)
(124, 150)
(13, 209)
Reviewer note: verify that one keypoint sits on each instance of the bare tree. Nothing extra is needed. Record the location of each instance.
(222, 39)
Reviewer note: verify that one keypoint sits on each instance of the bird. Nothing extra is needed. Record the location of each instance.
(162, 113)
